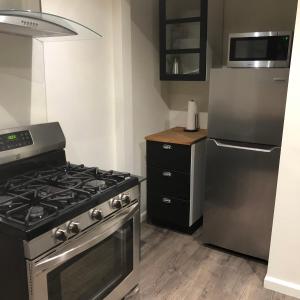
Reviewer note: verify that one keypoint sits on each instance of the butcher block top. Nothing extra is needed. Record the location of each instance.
(177, 135)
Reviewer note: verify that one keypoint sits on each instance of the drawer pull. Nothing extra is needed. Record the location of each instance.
(167, 147)
(167, 174)
(167, 201)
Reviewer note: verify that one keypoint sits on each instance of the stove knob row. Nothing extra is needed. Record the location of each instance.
(116, 203)
(125, 199)
(60, 235)
(120, 201)
(73, 227)
(96, 214)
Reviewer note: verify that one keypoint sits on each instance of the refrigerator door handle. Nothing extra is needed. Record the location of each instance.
(282, 79)
(225, 145)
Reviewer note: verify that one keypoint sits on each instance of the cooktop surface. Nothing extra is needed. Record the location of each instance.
(38, 197)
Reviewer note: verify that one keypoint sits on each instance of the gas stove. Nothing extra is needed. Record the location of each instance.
(40, 190)
(57, 216)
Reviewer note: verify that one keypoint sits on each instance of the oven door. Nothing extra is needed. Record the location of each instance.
(260, 49)
(100, 263)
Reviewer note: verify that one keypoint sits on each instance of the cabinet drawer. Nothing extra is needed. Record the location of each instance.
(168, 182)
(170, 156)
(168, 210)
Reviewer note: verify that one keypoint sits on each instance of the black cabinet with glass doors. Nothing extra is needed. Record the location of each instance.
(183, 39)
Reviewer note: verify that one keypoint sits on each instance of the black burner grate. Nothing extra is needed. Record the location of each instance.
(35, 196)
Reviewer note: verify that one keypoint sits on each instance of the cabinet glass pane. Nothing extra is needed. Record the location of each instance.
(183, 36)
(176, 9)
(183, 64)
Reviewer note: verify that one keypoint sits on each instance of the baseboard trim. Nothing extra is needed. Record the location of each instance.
(281, 286)
(143, 216)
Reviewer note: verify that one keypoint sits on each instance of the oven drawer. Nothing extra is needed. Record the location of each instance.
(170, 156)
(166, 181)
(105, 258)
(168, 210)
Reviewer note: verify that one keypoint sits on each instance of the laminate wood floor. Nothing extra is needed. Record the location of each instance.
(179, 267)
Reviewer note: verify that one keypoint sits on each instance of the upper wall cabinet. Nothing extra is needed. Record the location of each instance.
(187, 39)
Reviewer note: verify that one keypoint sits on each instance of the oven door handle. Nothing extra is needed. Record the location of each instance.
(85, 241)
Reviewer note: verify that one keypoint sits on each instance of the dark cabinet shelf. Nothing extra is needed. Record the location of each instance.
(182, 51)
(183, 40)
(181, 77)
(183, 20)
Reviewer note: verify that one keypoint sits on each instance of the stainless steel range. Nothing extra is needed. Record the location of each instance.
(66, 231)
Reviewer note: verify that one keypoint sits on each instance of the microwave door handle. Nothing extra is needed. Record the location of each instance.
(85, 242)
(255, 149)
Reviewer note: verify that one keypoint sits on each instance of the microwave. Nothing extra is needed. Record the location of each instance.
(260, 49)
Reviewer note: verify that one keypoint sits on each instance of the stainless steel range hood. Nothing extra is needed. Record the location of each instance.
(39, 25)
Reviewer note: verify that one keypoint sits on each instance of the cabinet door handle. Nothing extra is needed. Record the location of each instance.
(167, 147)
(167, 174)
(166, 200)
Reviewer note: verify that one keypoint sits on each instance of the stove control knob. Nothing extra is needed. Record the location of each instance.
(60, 235)
(125, 199)
(73, 227)
(96, 214)
(116, 204)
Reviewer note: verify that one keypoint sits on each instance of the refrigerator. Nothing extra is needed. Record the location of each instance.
(245, 124)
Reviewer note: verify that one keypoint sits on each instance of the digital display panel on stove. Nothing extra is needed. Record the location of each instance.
(15, 140)
(12, 137)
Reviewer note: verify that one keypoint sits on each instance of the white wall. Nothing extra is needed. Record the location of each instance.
(150, 111)
(80, 83)
(123, 85)
(22, 84)
(33, 5)
(284, 262)
(179, 118)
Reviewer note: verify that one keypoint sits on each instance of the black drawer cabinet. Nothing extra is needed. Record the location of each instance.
(172, 183)
(169, 210)
(175, 175)
(169, 156)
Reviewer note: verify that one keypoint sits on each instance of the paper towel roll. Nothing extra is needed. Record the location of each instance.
(192, 123)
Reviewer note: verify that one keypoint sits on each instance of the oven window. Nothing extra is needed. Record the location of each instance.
(259, 48)
(96, 272)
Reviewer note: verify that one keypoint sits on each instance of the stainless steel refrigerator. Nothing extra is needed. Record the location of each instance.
(245, 124)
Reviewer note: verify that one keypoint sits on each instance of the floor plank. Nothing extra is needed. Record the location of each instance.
(176, 266)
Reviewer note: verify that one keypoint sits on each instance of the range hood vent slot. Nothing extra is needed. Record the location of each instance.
(43, 26)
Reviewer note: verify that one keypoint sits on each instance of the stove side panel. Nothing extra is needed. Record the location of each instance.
(13, 271)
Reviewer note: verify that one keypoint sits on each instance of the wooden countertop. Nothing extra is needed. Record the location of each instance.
(177, 135)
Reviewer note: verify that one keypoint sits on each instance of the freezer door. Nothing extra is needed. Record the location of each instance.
(240, 195)
(247, 105)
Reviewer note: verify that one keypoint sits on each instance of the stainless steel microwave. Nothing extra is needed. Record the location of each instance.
(270, 49)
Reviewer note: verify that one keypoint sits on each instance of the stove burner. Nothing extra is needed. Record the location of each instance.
(31, 215)
(38, 195)
(4, 200)
(36, 212)
(7, 204)
(97, 183)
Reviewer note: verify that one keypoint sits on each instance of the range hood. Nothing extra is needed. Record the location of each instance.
(43, 26)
